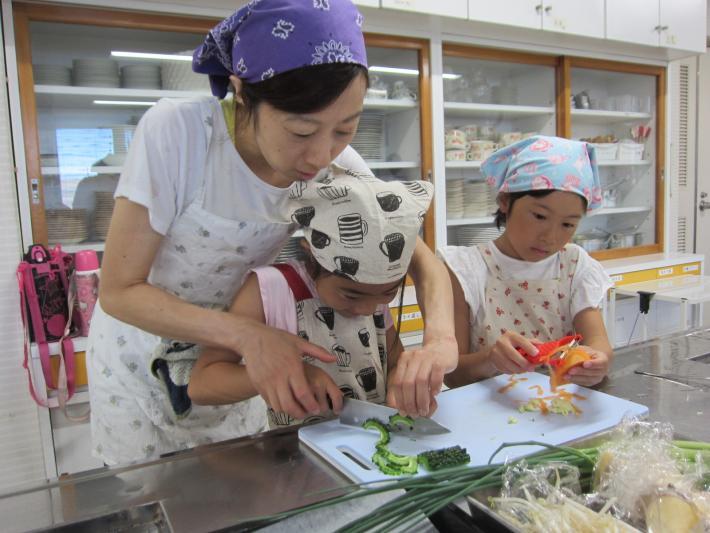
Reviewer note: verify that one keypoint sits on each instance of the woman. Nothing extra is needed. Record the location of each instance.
(195, 211)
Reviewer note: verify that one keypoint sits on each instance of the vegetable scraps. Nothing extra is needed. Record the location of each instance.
(393, 464)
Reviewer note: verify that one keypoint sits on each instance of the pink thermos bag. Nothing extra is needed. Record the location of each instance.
(86, 279)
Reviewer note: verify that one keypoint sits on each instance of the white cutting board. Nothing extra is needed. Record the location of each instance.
(478, 417)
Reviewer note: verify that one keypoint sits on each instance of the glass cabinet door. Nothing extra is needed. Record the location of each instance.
(84, 87)
(392, 136)
(614, 107)
(491, 99)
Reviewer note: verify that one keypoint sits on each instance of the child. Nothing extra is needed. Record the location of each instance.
(360, 234)
(530, 284)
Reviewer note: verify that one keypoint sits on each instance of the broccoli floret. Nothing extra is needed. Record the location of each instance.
(373, 423)
(444, 458)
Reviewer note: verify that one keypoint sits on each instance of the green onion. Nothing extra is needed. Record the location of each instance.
(426, 495)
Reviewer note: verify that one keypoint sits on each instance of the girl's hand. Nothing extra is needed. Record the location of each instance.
(327, 393)
(274, 362)
(419, 375)
(590, 372)
(506, 359)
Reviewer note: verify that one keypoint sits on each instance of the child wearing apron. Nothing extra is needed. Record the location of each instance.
(360, 234)
(531, 284)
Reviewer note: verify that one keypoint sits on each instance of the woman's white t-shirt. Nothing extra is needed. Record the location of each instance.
(164, 177)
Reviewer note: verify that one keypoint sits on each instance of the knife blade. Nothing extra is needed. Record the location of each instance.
(356, 412)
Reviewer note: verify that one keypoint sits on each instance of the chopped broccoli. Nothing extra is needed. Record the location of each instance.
(373, 423)
(444, 458)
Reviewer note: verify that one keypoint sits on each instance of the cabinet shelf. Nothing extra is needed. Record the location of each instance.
(492, 110)
(619, 210)
(71, 96)
(600, 116)
(472, 221)
(463, 164)
(99, 169)
(374, 165)
(389, 106)
(620, 163)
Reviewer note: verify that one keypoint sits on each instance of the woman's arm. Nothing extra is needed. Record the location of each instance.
(218, 376)
(420, 373)
(589, 324)
(273, 357)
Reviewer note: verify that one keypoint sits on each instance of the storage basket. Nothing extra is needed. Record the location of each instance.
(630, 151)
(605, 151)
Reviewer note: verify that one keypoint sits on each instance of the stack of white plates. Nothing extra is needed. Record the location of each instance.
(102, 213)
(291, 251)
(122, 137)
(140, 77)
(49, 160)
(471, 235)
(51, 74)
(454, 198)
(179, 76)
(66, 226)
(96, 72)
(369, 139)
(479, 199)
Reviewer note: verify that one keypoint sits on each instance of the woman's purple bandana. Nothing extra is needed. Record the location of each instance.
(540, 163)
(268, 37)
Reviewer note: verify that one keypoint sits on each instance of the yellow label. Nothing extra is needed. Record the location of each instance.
(656, 273)
(411, 318)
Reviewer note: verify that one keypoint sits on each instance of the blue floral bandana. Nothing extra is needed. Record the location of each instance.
(268, 37)
(540, 163)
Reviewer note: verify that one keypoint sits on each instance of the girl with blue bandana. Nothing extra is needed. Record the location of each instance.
(202, 199)
(531, 285)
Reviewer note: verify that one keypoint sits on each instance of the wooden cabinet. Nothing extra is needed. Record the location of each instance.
(494, 98)
(679, 24)
(578, 17)
(81, 98)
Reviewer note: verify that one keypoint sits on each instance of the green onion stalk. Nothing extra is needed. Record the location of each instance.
(425, 495)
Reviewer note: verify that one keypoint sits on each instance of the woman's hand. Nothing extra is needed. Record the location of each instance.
(419, 375)
(327, 393)
(590, 372)
(505, 357)
(274, 362)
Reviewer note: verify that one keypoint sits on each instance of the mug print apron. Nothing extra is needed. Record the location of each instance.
(358, 344)
(532, 308)
(203, 259)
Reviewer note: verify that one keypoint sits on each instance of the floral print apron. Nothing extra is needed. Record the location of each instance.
(359, 345)
(533, 308)
(203, 259)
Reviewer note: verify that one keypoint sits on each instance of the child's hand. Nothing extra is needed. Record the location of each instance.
(505, 358)
(590, 372)
(324, 388)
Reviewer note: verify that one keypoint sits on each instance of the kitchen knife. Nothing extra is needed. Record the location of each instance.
(355, 412)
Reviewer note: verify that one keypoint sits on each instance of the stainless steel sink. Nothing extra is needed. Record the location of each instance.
(148, 518)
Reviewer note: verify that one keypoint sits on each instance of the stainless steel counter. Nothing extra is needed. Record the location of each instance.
(222, 485)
